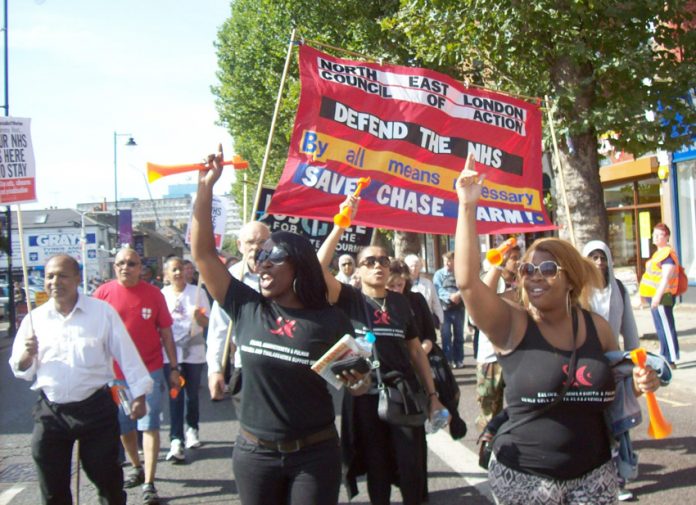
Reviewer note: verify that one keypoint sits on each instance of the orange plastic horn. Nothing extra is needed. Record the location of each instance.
(174, 392)
(495, 256)
(659, 427)
(342, 219)
(155, 171)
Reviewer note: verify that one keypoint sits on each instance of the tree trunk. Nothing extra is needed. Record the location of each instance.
(583, 189)
(406, 242)
(579, 161)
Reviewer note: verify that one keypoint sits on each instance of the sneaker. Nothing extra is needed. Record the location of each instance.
(625, 495)
(176, 451)
(192, 441)
(150, 496)
(459, 364)
(135, 477)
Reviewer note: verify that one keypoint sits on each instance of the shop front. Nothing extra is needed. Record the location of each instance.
(633, 196)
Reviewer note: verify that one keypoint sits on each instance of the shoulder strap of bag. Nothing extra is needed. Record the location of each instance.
(507, 427)
(375, 357)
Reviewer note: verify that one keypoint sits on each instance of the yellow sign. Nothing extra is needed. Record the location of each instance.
(40, 297)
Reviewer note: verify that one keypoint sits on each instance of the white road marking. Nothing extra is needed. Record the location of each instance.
(673, 402)
(460, 459)
(8, 495)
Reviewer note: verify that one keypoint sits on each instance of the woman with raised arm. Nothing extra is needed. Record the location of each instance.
(287, 451)
(385, 452)
(555, 447)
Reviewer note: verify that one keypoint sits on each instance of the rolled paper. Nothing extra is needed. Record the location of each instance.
(495, 256)
(342, 219)
(155, 171)
(659, 427)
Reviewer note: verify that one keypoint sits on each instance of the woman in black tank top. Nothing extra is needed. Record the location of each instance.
(552, 452)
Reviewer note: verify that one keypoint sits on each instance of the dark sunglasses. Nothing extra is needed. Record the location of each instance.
(276, 255)
(369, 261)
(130, 264)
(547, 269)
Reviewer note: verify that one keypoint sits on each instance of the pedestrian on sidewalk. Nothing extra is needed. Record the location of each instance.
(658, 287)
(189, 308)
(452, 329)
(67, 346)
(287, 451)
(144, 312)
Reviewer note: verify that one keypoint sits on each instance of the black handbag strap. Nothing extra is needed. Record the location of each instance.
(508, 426)
(375, 356)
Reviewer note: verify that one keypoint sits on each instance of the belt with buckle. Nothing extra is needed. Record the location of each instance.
(292, 445)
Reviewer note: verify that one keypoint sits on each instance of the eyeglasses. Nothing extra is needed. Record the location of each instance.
(276, 255)
(369, 261)
(129, 264)
(547, 269)
(346, 264)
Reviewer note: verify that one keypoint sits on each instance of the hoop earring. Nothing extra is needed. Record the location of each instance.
(294, 285)
(568, 303)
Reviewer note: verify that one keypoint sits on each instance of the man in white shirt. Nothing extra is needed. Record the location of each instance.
(251, 237)
(424, 286)
(69, 354)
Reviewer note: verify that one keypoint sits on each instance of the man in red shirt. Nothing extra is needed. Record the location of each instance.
(144, 312)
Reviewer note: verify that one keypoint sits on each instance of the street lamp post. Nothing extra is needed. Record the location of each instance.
(130, 142)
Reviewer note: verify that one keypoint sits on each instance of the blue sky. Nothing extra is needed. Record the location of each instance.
(82, 69)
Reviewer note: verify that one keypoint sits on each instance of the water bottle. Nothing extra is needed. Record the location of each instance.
(365, 343)
(124, 400)
(439, 420)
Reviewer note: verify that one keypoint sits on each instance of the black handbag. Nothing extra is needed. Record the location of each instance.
(501, 424)
(402, 401)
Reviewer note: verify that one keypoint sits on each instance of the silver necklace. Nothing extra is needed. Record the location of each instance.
(382, 305)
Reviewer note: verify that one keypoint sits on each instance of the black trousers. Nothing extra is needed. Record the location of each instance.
(94, 423)
(392, 454)
(310, 476)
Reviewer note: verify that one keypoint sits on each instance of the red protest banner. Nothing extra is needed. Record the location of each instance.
(410, 130)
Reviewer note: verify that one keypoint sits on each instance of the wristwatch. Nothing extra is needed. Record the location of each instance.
(177, 368)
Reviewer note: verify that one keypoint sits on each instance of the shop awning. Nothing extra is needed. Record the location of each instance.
(629, 170)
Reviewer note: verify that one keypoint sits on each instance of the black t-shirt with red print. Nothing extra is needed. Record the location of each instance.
(390, 319)
(282, 398)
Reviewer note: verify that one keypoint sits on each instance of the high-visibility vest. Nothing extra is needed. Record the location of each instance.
(653, 273)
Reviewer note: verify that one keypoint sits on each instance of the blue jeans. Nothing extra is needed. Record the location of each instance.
(264, 476)
(188, 395)
(453, 324)
(151, 420)
(663, 318)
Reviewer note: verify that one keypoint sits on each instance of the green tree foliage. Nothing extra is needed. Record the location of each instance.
(603, 63)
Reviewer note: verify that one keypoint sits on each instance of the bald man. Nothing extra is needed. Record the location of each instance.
(251, 237)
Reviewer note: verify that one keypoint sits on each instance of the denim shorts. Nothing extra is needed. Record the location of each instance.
(151, 420)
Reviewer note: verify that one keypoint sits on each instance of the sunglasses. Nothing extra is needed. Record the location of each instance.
(130, 264)
(369, 261)
(547, 269)
(276, 255)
